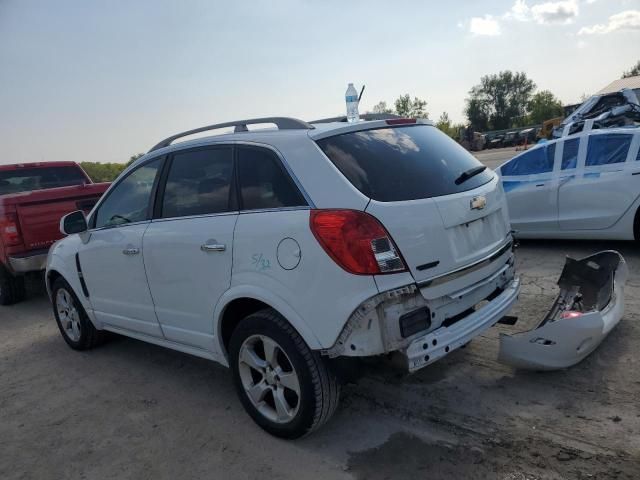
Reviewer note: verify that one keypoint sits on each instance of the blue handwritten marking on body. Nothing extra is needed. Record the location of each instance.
(259, 262)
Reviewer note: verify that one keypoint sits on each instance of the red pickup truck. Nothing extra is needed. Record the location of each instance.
(33, 198)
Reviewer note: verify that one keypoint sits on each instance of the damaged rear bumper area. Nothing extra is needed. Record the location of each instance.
(420, 329)
(590, 304)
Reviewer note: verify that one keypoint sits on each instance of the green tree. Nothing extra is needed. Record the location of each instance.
(477, 114)
(382, 107)
(635, 70)
(133, 158)
(416, 108)
(543, 106)
(499, 98)
(102, 172)
(445, 125)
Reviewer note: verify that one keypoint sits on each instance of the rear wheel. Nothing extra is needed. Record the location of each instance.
(286, 387)
(73, 322)
(12, 288)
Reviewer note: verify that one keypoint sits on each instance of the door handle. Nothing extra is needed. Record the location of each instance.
(540, 185)
(213, 247)
(131, 251)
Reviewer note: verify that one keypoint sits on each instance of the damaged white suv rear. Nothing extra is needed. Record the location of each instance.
(278, 252)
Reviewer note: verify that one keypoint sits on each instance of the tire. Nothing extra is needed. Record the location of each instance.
(270, 377)
(12, 289)
(636, 226)
(73, 322)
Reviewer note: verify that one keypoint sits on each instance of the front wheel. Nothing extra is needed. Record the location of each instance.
(73, 322)
(286, 387)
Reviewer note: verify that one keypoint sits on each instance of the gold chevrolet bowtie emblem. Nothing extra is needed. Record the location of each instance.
(478, 203)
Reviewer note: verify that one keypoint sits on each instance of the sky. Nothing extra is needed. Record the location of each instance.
(102, 80)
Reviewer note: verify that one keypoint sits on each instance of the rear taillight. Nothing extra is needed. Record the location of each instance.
(10, 230)
(356, 241)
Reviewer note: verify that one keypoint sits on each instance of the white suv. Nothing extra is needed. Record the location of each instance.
(282, 252)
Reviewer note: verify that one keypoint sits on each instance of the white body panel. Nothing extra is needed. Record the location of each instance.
(585, 202)
(113, 268)
(185, 281)
(319, 291)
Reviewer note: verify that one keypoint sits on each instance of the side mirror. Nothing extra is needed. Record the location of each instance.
(74, 222)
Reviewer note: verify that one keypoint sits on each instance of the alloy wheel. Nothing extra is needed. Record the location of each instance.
(68, 315)
(269, 378)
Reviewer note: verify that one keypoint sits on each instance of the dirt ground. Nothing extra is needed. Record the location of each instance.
(129, 410)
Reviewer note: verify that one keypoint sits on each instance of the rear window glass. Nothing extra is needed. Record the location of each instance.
(607, 149)
(537, 160)
(403, 163)
(27, 179)
(263, 182)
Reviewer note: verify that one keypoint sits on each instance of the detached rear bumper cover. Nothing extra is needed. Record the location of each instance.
(590, 304)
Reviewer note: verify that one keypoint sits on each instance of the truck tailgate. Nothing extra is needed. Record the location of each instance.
(40, 219)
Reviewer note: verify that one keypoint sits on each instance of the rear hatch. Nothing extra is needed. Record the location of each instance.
(412, 174)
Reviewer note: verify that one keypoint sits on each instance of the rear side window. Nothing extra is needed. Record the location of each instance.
(128, 202)
(198, 183)
(570, 153)
(263, 181)
(537, 160)
(39, 178)
(402, 163)
(608, 149)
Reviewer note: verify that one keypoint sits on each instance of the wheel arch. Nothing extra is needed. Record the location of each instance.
(58, 267)
(237, 303)
(50, 277)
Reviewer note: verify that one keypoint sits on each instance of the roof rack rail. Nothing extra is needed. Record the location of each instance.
(364, 116)
(283, 123)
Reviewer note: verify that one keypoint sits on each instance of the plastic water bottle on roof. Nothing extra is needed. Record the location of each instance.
(351, 97)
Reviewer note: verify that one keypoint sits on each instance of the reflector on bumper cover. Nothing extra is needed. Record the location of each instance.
(590, 304)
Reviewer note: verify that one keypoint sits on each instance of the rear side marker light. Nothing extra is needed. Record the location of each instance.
(356, 241)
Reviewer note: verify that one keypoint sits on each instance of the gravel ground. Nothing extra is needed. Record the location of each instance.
(133, 410)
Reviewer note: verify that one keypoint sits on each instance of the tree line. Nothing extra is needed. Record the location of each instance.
(500, 101)
(107, 172)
